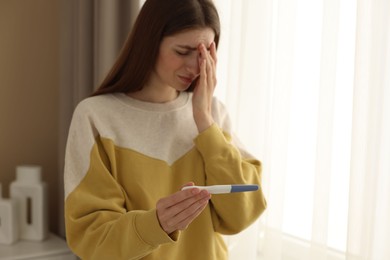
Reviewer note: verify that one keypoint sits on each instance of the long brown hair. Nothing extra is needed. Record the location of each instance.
(156, 20)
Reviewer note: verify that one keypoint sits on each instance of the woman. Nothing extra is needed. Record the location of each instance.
(151, 128)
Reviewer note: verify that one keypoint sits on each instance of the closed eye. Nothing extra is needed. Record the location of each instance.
(183, 53)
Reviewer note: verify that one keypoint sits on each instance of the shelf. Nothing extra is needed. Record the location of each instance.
(53, 248)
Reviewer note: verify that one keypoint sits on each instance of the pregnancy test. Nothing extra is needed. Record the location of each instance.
(222, 189)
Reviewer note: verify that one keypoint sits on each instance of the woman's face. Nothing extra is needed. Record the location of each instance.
(177, 63)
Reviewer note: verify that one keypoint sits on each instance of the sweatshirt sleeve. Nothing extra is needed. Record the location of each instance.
(226, 162)
(99, 222)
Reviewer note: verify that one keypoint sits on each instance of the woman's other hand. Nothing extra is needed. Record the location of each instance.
(204, 90)
(178, 210)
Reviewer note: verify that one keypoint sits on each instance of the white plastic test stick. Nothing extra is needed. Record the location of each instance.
(222, 189)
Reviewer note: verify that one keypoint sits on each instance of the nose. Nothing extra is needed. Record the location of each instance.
(192, 65)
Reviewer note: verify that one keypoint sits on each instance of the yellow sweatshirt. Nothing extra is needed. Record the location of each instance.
(123, 155)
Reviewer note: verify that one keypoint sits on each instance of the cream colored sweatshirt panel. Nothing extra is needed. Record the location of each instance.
(165, 135)
(81, 139)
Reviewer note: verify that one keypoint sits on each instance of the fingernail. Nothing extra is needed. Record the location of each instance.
(205, 193)
(195, 191)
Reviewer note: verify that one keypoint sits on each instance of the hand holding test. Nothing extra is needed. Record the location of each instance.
(222, 189)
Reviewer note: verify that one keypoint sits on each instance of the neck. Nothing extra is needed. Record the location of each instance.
(154, 95)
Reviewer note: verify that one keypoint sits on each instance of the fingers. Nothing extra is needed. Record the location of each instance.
(203, 72)
(184, 214)
(211, 60)
(179, 216)
(209, 56)
(177, 211)
(208, 67)
(204, 90)
(213, 52)
(187, 220)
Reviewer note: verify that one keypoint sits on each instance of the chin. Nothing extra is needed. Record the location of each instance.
(181, 87)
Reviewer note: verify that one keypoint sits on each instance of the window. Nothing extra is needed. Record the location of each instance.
(289, 91)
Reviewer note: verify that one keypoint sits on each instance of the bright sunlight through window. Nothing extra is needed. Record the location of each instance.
(303, 133)
(319, 106)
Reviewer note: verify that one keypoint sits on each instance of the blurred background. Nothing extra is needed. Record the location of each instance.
(30, 94)
(53, 53)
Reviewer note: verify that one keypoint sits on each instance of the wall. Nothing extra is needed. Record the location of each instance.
(29, 93)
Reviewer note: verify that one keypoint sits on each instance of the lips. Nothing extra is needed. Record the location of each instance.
(186, 79)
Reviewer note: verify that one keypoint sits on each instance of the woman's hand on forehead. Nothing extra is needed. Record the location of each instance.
(204, 90)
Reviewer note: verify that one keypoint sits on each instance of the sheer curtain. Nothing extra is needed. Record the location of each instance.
(307, 83)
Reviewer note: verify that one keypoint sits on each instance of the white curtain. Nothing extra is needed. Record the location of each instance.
(307, 83)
